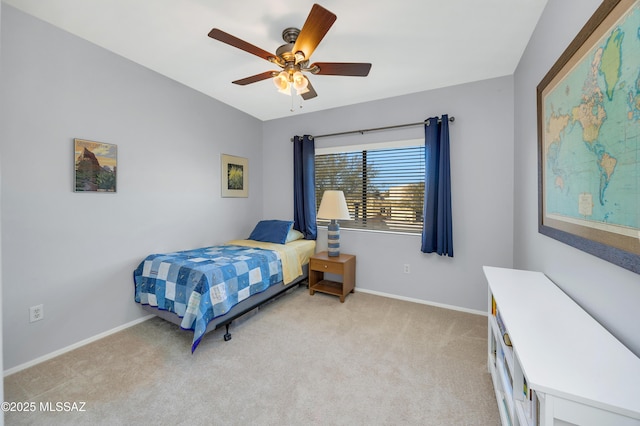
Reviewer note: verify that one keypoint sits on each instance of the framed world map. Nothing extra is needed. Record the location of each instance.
(589, 138)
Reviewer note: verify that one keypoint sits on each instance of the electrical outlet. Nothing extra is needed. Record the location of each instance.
(36, 313)
(407, 268)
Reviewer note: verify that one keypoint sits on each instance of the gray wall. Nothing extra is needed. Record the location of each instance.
(482, 180)
(75, 252)
(609, 293)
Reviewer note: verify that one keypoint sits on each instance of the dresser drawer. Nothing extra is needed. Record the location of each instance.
(326, 266)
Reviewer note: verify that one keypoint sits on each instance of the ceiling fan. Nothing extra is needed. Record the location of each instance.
(293, 57)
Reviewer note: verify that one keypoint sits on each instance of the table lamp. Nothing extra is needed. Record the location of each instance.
(333, 207)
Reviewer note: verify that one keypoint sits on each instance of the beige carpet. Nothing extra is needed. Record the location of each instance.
(301, 360)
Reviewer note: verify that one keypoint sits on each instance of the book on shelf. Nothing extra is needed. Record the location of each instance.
(505, 376)
(530, 404)
(493, 352)
(503, 330)
(531, 407)
(506, 410)
(509, 377)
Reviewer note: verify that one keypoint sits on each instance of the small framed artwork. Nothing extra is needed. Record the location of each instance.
(589, 139)
(235, 176)
(96, 166)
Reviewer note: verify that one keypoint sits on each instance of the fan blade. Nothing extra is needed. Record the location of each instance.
(314, 29)
(240, 44)
(355, 69)
(311, 93)
(255, 78)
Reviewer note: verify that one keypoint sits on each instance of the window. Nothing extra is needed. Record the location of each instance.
(383, 184)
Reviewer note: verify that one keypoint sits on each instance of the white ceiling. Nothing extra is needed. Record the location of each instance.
(414, 45)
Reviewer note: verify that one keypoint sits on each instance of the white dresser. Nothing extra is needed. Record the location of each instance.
(562, 367)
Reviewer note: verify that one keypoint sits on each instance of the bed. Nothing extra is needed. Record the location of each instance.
(205, 288)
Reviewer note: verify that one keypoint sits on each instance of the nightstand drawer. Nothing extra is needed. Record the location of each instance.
(326, 266)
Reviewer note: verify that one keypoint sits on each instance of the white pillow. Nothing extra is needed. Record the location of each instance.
(294, 235)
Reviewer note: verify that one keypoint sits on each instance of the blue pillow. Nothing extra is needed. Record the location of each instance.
(271, 231)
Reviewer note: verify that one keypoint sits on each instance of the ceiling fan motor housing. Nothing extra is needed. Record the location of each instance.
(290, 35)
(285, 52)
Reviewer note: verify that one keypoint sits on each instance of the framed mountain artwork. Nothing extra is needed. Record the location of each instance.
(96, 166)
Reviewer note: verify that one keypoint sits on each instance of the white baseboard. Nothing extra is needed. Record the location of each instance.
(74, 346)
(423, 302)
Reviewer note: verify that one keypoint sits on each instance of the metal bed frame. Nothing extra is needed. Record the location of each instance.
(247, 305)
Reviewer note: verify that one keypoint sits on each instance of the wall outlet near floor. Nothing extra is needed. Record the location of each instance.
(406, 268)
(36, 313)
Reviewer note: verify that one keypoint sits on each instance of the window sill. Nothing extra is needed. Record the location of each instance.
(375, 231)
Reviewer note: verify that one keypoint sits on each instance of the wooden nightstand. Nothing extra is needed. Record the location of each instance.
(344, 264)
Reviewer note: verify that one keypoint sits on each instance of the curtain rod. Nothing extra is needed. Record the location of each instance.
(451, 119)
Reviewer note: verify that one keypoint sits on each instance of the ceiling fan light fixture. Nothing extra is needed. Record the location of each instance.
(281, 81)
(299, 57)
(300, 83)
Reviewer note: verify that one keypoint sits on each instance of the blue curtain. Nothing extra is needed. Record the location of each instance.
(304, 186)
(437, 231)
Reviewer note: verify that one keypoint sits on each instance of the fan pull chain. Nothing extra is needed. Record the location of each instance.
(292, 109)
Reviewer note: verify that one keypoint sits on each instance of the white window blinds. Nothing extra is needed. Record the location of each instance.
(384, 187)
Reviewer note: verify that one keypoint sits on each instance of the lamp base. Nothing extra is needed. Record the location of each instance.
(333, 239)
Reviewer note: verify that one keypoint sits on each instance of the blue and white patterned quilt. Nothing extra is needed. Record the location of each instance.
(199, 285)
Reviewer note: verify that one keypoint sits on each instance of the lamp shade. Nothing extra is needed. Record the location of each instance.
(333, 206)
